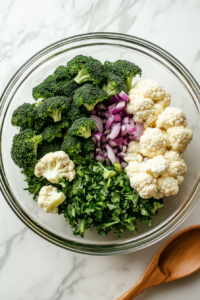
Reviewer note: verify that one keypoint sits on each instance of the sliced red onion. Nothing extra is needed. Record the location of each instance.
(121, 105)
(107, 115)
(98, 144)
(121, 154)
(118, 97)
(92, 155)
(124, 165)
(120, 146)
(119, 141)
(99, 113)
(124, 148)
(117, 118)
(94, 139)
(100, 158)
(116, 110)
(107, 162)
(115, 131)
(126, 120)
(93, 112)
(107, 131)
(113, 100)
(101, 106)
(111, 154)
(112, 143)
(123, 113)
(98, 136)
(126, 141)
(99, 123)
(98, 150)
(117, 159)
(104, 121)
(103, 139)
(109, 123)
(124, 96)
(131, 122)
(139, 130)
(105, 153)
(115, 151)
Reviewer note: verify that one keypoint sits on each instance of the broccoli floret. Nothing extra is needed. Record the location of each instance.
(39, 124)
(71, 145)
(114, 85)
(89, 95)
(124, 69)
(66, 88)
(82, 127)
(87, 146)
(46, 89)
(75, 112)
(63, 73)
(24, 148)
(53, 107)
(23, 116)
(88, 69)
(47, 147)
(54, 130)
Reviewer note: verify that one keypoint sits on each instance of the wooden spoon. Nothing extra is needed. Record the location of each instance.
(179, 257)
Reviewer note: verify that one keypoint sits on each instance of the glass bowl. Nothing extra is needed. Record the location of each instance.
(156, 63)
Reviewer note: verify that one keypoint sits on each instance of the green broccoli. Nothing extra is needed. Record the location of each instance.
(124, 69)
(24, 148)
(82, 127)
(75, 112)
(114, 85)
(71, 145)
(47, 147)
(87, 68)
(87, 146)
(46, 89)
(53, 107)
(54, 130)
(89, 95)
(63, 73)
(39, 124)
(23, 116)
(66, 88)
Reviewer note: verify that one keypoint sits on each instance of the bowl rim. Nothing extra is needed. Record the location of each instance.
(122, 247)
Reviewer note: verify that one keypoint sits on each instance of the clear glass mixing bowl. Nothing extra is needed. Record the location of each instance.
(156, 63)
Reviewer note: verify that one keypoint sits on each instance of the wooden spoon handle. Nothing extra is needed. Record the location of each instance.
(150, 278)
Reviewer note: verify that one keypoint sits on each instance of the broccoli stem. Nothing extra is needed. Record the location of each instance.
(85, 132)
(37, 139)
(56, 115)
(91, 107)
(82, 76)
(82, 227)
(108, 89)
(30, 123)
(59, 135)
(129, 83)
(65, 135)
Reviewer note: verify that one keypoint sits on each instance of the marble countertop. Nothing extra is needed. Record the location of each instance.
(30, 267)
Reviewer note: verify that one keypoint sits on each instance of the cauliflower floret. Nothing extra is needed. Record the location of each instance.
(144, 183)
(133, 157)
(167, 185)
(153, 142)
(179, 138)
(157, 166)
(54, 166)
(149, 88)
(49, 199)
(171, 117)
(140, 107)
(177, 166)
(134, 167)
(157, 110)
(158, 195)
(133, 147)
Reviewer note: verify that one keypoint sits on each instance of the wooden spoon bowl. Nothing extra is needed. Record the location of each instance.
(179, 257)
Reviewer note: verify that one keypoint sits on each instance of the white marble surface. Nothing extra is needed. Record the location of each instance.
(30, 267)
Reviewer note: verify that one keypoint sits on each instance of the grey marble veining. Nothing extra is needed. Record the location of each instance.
(30, 267)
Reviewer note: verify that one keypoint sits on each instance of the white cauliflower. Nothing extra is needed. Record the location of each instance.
(54, 166)
(167, 186)
(133, 157)
(171, 117)
(49, 199)
(177, 166)
(179, 138)
(140, 107)
(157, 110)
(149, 88)
(144, 183)
(153, 142)
(157, 166)
(133, 147)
